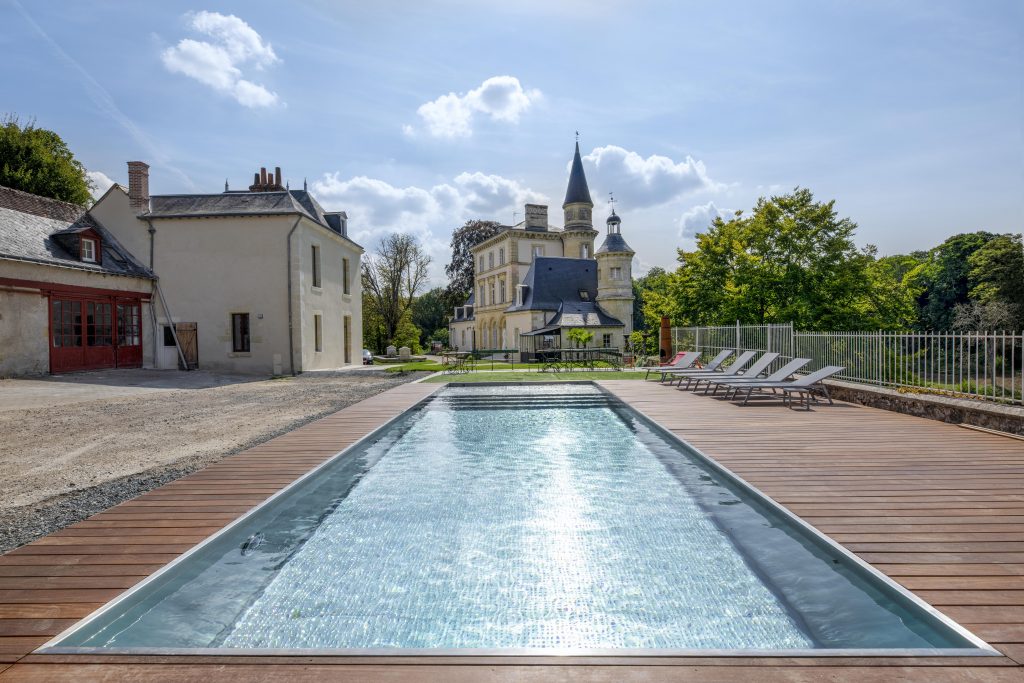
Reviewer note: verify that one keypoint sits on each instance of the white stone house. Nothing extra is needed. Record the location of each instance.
(257, 281)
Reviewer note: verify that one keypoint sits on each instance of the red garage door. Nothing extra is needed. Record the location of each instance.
(94, 333)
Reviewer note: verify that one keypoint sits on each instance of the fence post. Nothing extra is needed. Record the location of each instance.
(737, 336)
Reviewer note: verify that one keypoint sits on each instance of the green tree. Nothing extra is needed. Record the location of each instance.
(407, 334)
(430, 313)
(997, 275)
(37, 160)
(579, 336)
(888, 302)
(943, 279)
(392, 277)
(793, 259)
(461, 268)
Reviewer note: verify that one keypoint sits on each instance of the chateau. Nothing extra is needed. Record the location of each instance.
(534, 282)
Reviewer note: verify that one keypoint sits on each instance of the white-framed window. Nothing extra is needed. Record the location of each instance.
(606, 341)
(493, 300)
(501, 291)
(615, 272)
(519, 295)
(501, 256)
(483, 301)
(490, 259)
(89, 249)
(463, 339)
(345, 277)
(538, 250)
(481, 269)
(584, 251)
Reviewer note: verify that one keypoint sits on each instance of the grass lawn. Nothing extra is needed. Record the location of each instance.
(535, 376)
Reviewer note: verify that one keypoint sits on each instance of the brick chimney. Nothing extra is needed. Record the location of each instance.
(138, 185)
(536, 217)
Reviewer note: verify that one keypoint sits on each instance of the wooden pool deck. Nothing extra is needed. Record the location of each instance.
(937, 507)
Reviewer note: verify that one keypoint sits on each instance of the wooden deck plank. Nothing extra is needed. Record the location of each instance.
(937, 507)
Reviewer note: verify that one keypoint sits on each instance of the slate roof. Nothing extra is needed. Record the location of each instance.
(614, 243)
(282, 203)
(554, 284)
(31, 229)
(577, 191)
(582, 314)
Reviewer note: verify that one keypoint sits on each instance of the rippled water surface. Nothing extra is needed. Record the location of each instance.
(514, 517)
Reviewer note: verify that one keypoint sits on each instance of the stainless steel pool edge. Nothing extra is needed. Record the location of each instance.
(984, 649)
(618, 653)
(48, 646)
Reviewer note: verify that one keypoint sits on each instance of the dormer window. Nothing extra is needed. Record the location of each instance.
(584, 295)
(89, 249)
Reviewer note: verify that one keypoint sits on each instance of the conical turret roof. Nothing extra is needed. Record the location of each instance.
(577, 190)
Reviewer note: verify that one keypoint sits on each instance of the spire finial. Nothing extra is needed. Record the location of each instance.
(577, 137)
(225, 184)
(305, 188)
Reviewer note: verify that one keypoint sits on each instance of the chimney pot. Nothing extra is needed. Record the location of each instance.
(263, 178)
(277, 178)
(138, 185)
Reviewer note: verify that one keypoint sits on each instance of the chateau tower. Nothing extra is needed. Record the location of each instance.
(615, 275)
(578, 209)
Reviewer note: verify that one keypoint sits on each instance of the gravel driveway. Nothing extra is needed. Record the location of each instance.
(62, 463)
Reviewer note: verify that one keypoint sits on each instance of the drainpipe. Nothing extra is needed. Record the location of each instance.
(291, 336)
(163, 302)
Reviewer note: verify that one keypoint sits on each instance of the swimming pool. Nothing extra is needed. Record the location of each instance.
(519, 519)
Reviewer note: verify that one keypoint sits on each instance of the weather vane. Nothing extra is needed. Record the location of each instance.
(611, 199)
(577, 136)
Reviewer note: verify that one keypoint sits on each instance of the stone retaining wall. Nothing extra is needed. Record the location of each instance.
(1003, 418)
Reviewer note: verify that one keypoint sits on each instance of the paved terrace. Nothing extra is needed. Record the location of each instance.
(937, 507)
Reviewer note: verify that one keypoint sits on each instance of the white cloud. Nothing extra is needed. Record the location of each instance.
(698, 219)
(376, 208)
(645, 182)
(502, 98)
(101, 183)
(217, 64)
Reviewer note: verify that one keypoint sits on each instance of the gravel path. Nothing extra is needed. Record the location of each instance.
(61, 464)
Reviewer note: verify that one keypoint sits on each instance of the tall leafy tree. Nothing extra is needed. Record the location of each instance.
(430, 314)
(392, 277)
(793, 259)
(461, 268)
(37, 160)
(943, 279)
(997, 275)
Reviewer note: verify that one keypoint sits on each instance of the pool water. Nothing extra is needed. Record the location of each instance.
(545, 517)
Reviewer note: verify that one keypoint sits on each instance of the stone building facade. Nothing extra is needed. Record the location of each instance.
(534, 278)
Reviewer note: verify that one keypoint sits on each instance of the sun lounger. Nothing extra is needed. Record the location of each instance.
(805, 386)
(733, 369)
(684, 361)
(754, 370)
(712, 365)
(734, 383)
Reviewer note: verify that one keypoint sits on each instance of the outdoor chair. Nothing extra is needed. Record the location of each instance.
(732, 384)
(684, 361)
(711, 365)
(754, 370)
(804, 386)
(733, 369)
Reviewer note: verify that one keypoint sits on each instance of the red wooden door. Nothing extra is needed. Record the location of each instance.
(129, 335)
(99, 335)
(67, 341)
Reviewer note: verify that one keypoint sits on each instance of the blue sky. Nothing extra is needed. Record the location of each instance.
(417, 116)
